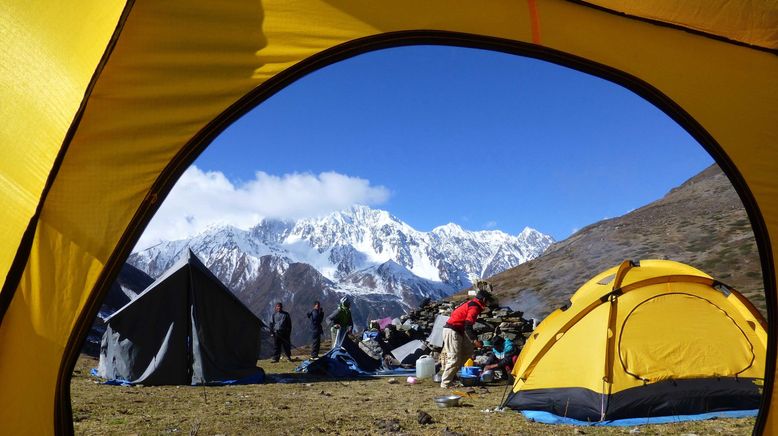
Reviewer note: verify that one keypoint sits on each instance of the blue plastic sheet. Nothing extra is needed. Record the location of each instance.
(336, 363)
(256, 378)
(346, 359)
(550, 418)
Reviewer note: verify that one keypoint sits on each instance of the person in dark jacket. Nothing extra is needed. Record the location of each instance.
(340, 321)
(281, 329)
(316, 316)
(459, 339)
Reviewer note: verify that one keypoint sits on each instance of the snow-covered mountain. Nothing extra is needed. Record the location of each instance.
(345, 242)
(359, 251)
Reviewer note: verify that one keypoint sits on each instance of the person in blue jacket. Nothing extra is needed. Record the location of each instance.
(504, 350)
(316, 316)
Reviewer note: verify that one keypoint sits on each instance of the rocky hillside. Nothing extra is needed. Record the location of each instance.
(701, 223)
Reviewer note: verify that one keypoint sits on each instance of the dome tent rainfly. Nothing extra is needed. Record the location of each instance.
(106, 102)
(185, 328)
(643, 340)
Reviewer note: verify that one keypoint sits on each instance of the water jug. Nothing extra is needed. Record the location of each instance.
(425, 367)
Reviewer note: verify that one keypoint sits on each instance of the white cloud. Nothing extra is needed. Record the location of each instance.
(201, 199)
(490, 224)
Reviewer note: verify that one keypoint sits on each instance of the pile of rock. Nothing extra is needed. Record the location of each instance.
(503, 322)
(418, 325)
(495, 321)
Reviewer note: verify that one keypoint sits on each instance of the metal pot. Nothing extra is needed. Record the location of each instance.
(447, 401)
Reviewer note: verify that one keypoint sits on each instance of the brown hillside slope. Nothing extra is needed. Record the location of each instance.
(701, 223)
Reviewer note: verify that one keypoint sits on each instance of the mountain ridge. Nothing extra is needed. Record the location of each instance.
(344, 242)
(381, 261)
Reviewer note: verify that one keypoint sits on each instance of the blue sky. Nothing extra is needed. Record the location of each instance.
(443, 134)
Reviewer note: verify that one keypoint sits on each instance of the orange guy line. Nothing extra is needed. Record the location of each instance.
(534, 21)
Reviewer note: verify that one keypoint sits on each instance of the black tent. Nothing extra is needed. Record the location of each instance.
(185, 328)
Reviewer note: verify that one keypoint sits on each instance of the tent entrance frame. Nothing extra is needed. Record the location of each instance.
(164, 183)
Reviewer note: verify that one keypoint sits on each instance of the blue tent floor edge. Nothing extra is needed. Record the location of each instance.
(550, 418)
(256, 378)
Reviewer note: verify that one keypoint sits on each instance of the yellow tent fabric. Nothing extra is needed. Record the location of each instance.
(648, 339)
(106, 102)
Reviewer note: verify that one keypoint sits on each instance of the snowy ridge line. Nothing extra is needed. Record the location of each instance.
(358, 251)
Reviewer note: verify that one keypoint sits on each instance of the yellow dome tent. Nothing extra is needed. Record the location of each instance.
(106, 102)
(643, 340)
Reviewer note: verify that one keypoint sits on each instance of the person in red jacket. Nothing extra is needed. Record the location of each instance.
(459, 339)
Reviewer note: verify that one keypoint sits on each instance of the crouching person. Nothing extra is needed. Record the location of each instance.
(459, 339)
(505, 353)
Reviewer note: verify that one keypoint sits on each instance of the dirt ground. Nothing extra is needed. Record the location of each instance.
(302, 404)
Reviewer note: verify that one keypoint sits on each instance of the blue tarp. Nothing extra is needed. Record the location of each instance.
(336, 363)
(346, 359)
(256, 378)
(550, 418)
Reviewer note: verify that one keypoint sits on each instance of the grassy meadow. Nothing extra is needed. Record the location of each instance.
(302, 404)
